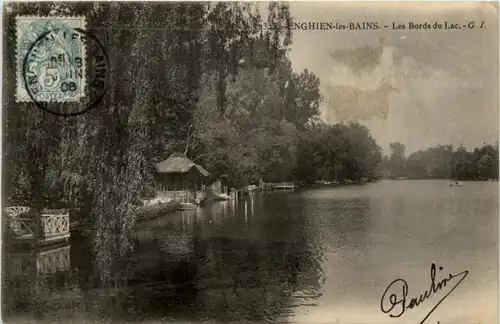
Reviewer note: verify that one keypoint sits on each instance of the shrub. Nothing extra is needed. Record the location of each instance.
(149, 212)
(148, 192)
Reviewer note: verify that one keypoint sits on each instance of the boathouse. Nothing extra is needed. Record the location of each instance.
(178, 178)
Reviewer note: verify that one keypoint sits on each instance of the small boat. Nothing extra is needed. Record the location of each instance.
(222, 197)
(225, 196)
(252, 188)
(456, 184)
(188, 206)
(187, 203)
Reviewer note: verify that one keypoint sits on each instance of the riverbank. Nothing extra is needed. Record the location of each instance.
(220, 264)
(143, 213)
(152, 211)
(444, 179)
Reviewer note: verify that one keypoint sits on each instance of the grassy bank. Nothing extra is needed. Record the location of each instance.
(153, 211)
(143, 213)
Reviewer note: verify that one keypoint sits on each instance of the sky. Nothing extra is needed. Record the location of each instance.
(417, 87)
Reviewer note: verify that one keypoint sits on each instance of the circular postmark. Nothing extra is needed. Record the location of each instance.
(65, 71)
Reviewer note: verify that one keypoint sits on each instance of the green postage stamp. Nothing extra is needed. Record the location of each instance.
(50, 59)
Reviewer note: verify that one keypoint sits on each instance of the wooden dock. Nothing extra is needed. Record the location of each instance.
(22, 226)
(277, 186)
(182, 196)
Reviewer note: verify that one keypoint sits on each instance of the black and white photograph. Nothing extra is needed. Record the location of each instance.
(301, 162)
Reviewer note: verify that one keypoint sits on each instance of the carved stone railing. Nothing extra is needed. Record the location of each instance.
(22, 228)
(15, 211)
(54, 224)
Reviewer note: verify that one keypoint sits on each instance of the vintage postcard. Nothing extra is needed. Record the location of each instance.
(250, 162)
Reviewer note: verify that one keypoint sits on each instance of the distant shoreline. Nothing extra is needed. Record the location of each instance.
(452, 180)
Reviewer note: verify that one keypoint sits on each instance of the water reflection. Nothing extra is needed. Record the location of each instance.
(239, 260)
(32, 278)
(317, 255)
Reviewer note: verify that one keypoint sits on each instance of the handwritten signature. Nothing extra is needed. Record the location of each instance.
(400, 302)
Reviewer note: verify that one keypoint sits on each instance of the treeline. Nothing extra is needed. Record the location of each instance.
(265, 135)
(443, 162)
(337, 152)
(207, 79)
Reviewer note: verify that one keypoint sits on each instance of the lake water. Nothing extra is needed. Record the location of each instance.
(314, 256)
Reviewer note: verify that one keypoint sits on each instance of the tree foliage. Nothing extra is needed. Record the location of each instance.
(445, 162)
(212, 80)
(337, 152)
(100, 161)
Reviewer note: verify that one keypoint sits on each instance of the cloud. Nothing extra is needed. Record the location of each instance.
(428, 100)
(354, 96)
(353, 104)
(361, 59)
(447, 81)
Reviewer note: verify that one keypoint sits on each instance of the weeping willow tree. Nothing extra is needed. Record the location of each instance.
(99, 162)
(95, 162)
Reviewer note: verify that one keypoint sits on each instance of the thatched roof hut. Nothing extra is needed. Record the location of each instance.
(179, 163)
(180, 178)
